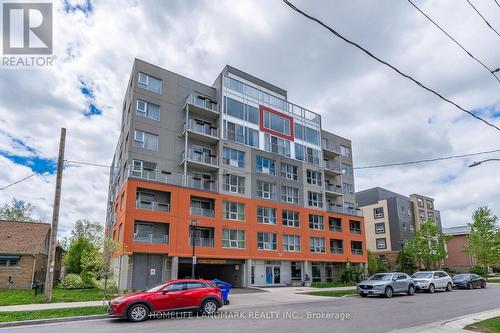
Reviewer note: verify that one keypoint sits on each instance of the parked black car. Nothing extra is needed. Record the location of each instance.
(468, 281)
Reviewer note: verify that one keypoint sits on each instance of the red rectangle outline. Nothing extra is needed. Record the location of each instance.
(263, 108)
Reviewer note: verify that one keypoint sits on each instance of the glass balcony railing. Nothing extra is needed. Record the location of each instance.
(198, 211)
(201, 128)
(334, 209)
(357, 252)
(331, 165)
(333, 188)
(173, 179)
(208, 242)
(336, 228)
(330, 146)
(355, 231)
(202, 101)
(201, 184)
(152, 205)
(337, 250)
(200, 157)
(149, 238)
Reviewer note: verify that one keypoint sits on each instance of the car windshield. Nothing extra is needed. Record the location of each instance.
(155, 289)
(422, 275)
(461, 277)
(381, 277)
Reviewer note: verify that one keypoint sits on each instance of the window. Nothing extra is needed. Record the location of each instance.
(317, 245)
(202, 206)
(290, 218)
(315, 199)
(355, 227)
(299, 152)
(430, 215)
(241, 134)
(345, 151)
(291, 243)
(234, 183)
(265, 165)
(296, 268)
(276, 123)
(122, 201)
(233, 211)
(429, 204)
(336, 246)
(420, 202)
(316, 222)
(346, 169)
(194, 285)
(312, 136)
(379, 228)
(314, 177)
(378, 212)
(146, 140)
(148, 110)
(276, 145)
(289, 171)
(356, 248)
(335, 224)
(266, 190)
(178, 286)
(312, 155)
(266, 215)
(233, 157)
(242, 111)
(252, 137)
(150, 83)
(233, 238)
(266, 241)
(9, 261)
(381, 244)
(421, 214)
(290, 194)
(348, 188)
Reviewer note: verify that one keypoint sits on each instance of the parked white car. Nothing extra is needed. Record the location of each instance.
(432, 280)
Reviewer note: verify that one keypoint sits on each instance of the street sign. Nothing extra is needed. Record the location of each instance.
(194, 260)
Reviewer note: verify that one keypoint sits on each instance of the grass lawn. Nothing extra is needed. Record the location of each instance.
(490, 280)
(19, 296)
(54, 313)
(332, 284)
(491, 325)
(334, 293)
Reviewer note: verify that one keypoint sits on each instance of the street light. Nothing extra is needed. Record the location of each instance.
(193, 230)
(479, 162)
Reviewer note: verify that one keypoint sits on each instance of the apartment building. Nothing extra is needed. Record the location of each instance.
(391, 218)
(234, 172)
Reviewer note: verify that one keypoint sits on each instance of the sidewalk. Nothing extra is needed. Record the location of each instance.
(276, 295)
(454, 325)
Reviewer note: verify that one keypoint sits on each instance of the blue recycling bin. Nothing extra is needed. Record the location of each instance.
(225, 288)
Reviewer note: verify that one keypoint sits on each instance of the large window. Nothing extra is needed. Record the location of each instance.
(9, 261)
(316, 222)
(348, 188)
(242, 111)
(146, 140)
(357, 248)
(306, 134)
(315, 199)
(378, 212)
(150, 83)
(277, 145)
(234, 183)
(345, 151)
(314, 177)
(265, 165)
(266, 215)
(290, 194)
(381, 244)
(276, 123)
(148, 110)
(266, 190)
(379, 228)
(233, 157)
(289, 171)
(317, 245)
(233, 211)
(346, 169)
(290, 218)
(312, 155)
(241, 134)
(355, 227)
(144, 169)
(233, 238)
(291, 243)
(266, 241)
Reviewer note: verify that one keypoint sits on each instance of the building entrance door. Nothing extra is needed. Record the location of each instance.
(273, 274)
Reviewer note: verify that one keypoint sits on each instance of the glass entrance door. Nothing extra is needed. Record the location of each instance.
(277, 274)
(269, 275)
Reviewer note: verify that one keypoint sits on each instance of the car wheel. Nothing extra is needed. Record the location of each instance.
(432, 289)
(388, 292)
(209, 307)
(449, 287)
(483, 284)
(469, 285)
(411, 290)
(363, 295)
(138, 312)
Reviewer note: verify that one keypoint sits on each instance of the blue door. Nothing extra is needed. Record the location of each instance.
(269, 275)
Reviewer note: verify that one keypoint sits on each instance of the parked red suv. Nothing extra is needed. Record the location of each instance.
(175, 295)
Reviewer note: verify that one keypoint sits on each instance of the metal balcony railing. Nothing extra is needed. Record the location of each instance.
(336, 228)
(331, 165)
(173, 179)
(333, 188)
(209, 242)
(357, 252)
(353, 211)
(330, 146)
(337, 250)
(149, 238)
(202, 101)
(201, 184)
(202, 129)
(200, 157)
(198, 211)
(334, 209)
(355, 231)
(152, 205)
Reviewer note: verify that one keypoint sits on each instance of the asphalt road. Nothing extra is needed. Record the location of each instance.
(360, 315)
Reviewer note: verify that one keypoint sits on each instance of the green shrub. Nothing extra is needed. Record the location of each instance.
(351, 275)
(110, 285)
(72, 281)
(477, 270)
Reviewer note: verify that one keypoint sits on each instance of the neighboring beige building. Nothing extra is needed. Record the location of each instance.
(424, 209)
(377, 231)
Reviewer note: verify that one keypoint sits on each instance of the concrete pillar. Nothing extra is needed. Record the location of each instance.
(247, 282)
(175, 268)
(306, 270)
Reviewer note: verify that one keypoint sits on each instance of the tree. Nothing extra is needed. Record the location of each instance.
(376, 264)
(405, 262)
(428, 245)
(17, 210)
(92, 231)
(483, 242)
(73, 258)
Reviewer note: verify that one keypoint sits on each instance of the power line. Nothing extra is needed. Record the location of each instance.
(491, 71)
(312, 18)
(485, 21)
(87, 163)
(498, 4)
(27, 177)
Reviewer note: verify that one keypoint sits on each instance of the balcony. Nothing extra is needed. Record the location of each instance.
(331, 167)
(202, 184)
(330, 148)
(201, 132)
(333, 189)
(353, 212)
(202, 105)
(199, 211)
(337, 250)
(157, 176)
(335, 209)
(208, 242)
(152, 205)
(149, 238)
(203, 161)
(357, 252)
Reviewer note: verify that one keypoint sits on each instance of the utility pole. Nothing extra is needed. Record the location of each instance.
(49, 278)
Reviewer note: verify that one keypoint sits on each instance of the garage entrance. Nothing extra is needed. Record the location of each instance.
(223, 269)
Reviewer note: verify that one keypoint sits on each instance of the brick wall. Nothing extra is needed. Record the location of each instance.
(21, 275)
(457, 260)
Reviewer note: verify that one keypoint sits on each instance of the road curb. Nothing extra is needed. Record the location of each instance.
(50, 320)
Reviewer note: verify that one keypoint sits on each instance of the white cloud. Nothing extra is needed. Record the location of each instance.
(388, 118)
